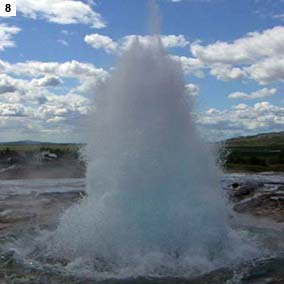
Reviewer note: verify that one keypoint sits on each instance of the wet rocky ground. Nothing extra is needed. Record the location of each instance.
(260, 199)
(257, 203)
(54, 169)
(26, 215)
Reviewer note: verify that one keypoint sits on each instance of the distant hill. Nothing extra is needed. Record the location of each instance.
(25, 142)
(33, 143)
(259, 140)
(32, 146)
(257, 153)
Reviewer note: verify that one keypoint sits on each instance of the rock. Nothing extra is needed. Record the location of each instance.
(280, 188)
(268, 204)
(7, 255)
(235, 185)
(240, 191)
(243, 191)
(10, 259)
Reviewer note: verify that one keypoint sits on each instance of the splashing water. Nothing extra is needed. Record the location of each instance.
(153, 205)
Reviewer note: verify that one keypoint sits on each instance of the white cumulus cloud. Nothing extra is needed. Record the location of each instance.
(109, 45)
(263, 93)
(227, 73)
(257, 55)
(6, 36)
(192, 89)
(98, 41)
(48, 81)
(241, 120)
(253, 46)
(267, 71)
(61, 12)
(170, 41)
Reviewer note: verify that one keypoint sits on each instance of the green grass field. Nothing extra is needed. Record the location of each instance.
(263, 152)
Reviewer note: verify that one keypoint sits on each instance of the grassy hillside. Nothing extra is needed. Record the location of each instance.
(259, 153)
(274, 139)
(263, 152)
(30, 146)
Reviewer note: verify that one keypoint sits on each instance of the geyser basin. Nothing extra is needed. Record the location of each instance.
(153, 207)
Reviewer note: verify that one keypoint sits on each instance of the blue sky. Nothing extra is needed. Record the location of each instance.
(55, 52)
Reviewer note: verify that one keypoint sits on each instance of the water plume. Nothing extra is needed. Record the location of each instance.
(155, 19)
(154, 206)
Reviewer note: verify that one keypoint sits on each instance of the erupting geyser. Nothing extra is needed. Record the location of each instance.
(153, 205)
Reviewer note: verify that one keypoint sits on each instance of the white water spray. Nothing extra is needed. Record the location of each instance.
(153, 205)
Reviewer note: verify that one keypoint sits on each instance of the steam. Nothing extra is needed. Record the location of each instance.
(155, 19)
(154, 207)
